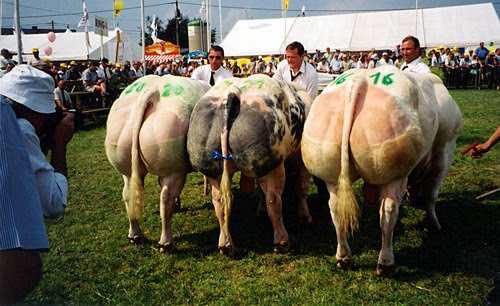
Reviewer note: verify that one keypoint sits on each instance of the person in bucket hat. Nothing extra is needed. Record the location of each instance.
(30, 92)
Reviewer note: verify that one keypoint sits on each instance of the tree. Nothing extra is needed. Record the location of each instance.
(168, 32)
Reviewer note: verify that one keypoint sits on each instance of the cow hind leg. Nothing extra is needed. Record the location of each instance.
(391, 195)
(432, 182)
(343, 255)
(171, 188)
(272, 185)
(301, 190)
(135, 235)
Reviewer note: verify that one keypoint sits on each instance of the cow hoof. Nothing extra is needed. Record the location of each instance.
(137, 240)
(431, 226)
(166, 248)
(227, 250)
(344, 264)
(177, 206)
(282, 247)
(386, 271)
(305, 220)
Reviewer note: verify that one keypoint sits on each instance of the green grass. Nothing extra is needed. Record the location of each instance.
(91, 261)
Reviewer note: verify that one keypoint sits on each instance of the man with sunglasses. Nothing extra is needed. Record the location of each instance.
(213, 72)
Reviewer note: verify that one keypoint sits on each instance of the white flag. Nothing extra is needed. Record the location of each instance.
(203, 10)
(85, 18)
(154, 28)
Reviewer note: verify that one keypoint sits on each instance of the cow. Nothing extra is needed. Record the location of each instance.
(396, 131)
(253, 125)
(146, 133)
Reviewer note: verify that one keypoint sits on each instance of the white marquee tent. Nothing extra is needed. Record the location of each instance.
(72, 46)
(462, 26)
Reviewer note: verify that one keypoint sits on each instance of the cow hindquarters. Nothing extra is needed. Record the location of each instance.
(273, 185)
(391, 195)
(171, 188)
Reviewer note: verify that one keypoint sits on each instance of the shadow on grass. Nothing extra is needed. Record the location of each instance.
(469, 235)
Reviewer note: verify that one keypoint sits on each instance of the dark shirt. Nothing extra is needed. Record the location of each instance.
(73, 75)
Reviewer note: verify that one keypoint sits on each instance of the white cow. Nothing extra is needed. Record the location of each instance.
(146, 132)
(393, 130)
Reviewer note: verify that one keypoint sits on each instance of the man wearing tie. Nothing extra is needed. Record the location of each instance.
(213, 72)
(410, 49)
(294, 68)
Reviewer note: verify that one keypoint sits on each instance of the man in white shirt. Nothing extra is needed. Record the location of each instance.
(213, 72)
(30, 92)
(385, 59)
(294, 68)
(410, 49)
(336, 65)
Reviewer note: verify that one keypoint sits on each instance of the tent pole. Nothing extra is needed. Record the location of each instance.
(143, 38)
(1, 17)
(220, 21)
(17, 27)
(416, 18)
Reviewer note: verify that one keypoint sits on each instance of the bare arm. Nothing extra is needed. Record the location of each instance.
(482, 148)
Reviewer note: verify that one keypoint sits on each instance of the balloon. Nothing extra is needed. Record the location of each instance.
(51, 36)
(47, 50)
(491, 44)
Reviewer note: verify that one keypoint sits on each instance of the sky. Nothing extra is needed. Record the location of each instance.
(67, 13)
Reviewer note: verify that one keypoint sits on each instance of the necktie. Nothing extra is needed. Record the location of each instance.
(212, 81)
(404, 67)
(294, 76)
(105, 73)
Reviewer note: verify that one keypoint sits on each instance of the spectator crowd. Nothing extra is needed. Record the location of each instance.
(458, 67)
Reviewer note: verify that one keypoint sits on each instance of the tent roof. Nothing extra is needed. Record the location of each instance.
(72, 46)
(463, 26)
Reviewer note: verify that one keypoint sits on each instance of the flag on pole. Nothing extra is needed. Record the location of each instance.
(154, 28)
(203, 10)
(84, 22)
(284, 4)
(118, 7)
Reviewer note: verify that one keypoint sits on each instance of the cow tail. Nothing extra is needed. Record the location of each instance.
(347, 209)
(232, 100)
(136, 190)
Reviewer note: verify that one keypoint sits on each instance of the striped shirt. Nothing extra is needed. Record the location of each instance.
(21, 219)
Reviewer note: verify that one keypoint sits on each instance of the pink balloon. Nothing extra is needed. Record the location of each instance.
(51, 36)
(47, 50)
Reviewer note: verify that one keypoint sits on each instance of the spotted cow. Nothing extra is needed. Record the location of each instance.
(253, 125)
(146, 133)
(396, 131)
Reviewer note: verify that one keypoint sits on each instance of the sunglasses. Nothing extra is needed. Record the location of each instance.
(216, 57)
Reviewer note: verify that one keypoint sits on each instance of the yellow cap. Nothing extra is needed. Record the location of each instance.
(34, 50)
(64, 65)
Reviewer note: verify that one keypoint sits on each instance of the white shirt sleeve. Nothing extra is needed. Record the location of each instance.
(52, 186)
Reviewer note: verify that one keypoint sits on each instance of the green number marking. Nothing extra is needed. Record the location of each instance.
(386, 80)
(137, 86)
(341, 79)
(166, 90)
(169, 89)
